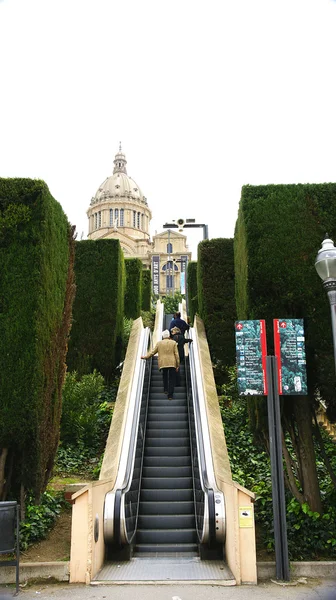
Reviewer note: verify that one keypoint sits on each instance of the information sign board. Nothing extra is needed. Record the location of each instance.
(251, 354)
(156, 274)
(289, 343)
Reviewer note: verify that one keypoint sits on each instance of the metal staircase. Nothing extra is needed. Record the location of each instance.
(166, 520)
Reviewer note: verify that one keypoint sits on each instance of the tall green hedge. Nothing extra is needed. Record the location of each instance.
(146, 289)
(133, 294)
(98, 311)
(278, 233)
(192, 289)
(216, 302)
(36, 293)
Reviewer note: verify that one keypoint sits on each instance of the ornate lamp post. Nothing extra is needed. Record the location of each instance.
(325, 266)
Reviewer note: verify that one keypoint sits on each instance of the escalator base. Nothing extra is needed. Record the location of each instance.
(166, 570)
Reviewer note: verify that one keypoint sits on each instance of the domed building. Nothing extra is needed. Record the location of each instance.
(119, 210)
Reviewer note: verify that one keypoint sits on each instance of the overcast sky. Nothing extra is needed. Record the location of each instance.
(205, 96)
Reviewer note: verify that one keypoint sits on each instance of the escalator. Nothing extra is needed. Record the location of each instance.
(165, 501)
(166, 521)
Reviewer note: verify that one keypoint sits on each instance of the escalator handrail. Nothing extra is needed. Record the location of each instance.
(130, 436)
(202, 458)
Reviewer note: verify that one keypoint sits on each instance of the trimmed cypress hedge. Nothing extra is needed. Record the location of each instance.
(216, 301)
(36, 293)
(146, 287)
(133, 294)
(278, 234)
(96, 339)
(192, 289)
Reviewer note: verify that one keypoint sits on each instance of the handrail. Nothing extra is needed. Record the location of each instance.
(214, 513)
(113, 518)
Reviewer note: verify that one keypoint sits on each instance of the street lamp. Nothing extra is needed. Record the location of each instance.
(325, 266)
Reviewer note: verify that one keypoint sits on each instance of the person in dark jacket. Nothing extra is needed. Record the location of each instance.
(180, 323)
(179, 338)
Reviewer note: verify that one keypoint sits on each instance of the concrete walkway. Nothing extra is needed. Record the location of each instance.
(312, 590)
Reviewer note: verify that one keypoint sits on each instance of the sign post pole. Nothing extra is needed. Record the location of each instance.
(278, 487)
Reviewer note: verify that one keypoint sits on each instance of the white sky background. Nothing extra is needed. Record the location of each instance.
(205, 96)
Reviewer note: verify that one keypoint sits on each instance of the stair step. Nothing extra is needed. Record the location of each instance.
(167, 423)
(167, 410)
(163, 522)
(170, 451)
(166, 471)
(167, 461)
(183, 507)
(165, 495)
(166, 483)
(166, 536)
(167, 432)
(186, 549)
(155, 442)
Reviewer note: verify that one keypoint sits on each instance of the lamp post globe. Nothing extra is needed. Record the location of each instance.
(325, 265)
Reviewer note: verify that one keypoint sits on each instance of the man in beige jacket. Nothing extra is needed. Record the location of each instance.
(169, 361)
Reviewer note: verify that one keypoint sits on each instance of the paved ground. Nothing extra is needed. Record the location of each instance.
(313, 590)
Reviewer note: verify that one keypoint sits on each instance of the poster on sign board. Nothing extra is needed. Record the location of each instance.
(251, 351)
(289, 345)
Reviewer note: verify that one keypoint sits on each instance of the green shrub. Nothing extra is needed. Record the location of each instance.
(133, 293)
(146, 290)
(310, 535)
(216, 302)
(85, 415)
(96, 335)
(39, 519)
(171, 303)
(192, 290)
(36, 293)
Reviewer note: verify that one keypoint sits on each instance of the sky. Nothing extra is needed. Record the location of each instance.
(205, 97)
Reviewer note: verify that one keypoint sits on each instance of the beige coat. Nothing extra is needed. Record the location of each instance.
(167, 352)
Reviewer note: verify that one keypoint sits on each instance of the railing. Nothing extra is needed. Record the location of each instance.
(209, 501)
(121, 503)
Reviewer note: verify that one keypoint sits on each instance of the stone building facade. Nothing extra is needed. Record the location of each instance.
(119, 210)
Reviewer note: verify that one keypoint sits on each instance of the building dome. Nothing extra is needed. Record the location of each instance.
(119, 185)
(119, 210)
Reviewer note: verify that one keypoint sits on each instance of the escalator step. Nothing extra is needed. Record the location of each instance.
(161, 410)
(166, 422)
(185, 549)
(168, 432)
(167, 461)
(165, 495)
(152, 522)
(184, 507)
(168, 471)
(166, 483)
(173, 450)
(158, 442)
(166, 536)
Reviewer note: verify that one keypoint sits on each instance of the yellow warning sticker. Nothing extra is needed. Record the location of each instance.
(246, 516)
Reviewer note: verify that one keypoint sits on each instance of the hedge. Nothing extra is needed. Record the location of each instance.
(36, 293)
(216, 302)
(278, 234)
(146, 289)
(192, 289)
(97, 331)
(133, 293)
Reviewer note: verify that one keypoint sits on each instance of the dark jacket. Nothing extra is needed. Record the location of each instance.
(182, 325)
(180, 340)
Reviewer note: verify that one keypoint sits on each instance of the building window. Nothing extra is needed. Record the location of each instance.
(170, 265)
(169, 280)
(121, 217)
(95, 220)
(169, 248)
(116, 217)
(138, 221)
(111, 217)
(99, 219)
(134, 218)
